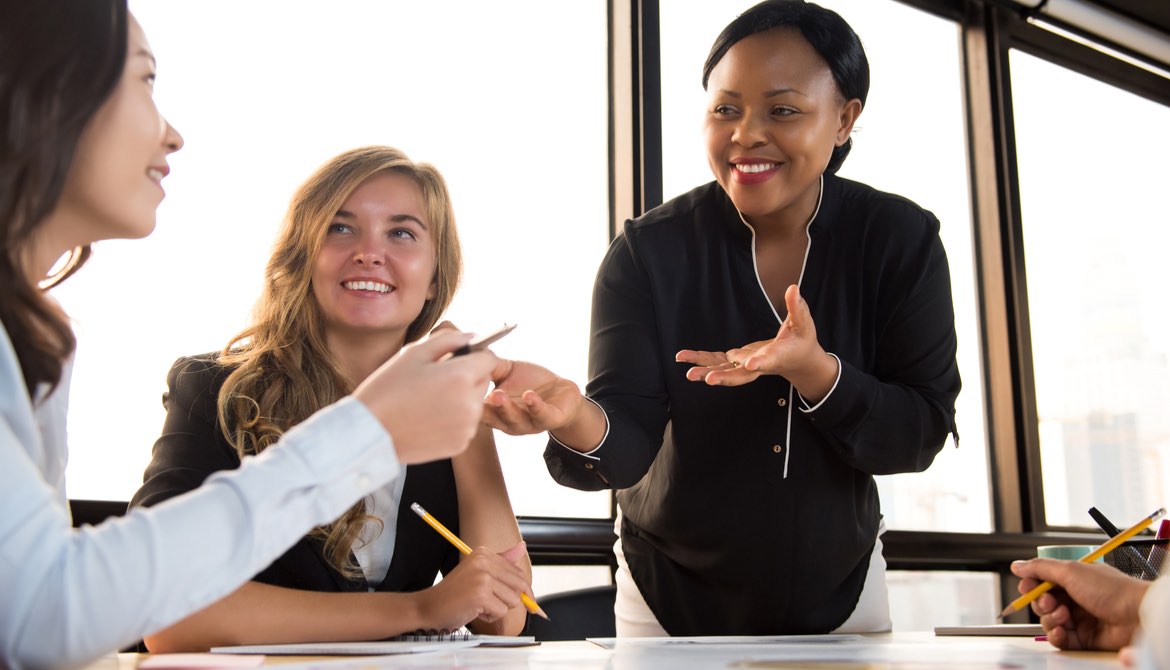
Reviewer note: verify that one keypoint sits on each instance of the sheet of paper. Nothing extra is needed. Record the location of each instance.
(505, 640)
(199, 661)
(780, 664)
(709, 640)
(346, 648)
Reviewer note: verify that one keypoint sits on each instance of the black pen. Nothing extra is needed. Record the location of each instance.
(481, 343)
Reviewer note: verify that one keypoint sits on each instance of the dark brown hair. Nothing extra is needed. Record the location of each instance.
(60, 60)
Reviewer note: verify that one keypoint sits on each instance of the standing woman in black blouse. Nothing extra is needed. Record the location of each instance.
(813, 319)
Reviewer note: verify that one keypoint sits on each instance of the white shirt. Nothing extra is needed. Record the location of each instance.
(67, 597)
(376, 545)
(1153, 649)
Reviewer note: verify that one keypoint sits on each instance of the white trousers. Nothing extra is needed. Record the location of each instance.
(634, 619)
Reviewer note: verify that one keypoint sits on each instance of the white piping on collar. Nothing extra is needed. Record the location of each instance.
(799, 283)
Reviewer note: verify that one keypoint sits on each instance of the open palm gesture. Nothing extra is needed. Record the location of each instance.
(794, 354)
(530, 399)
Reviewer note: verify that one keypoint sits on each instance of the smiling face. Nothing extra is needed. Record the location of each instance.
(114, 184)
(376, 266)
(774, 115)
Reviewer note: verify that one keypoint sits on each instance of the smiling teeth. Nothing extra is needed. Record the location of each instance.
(156, 175)
(367, 286)
(754, 168)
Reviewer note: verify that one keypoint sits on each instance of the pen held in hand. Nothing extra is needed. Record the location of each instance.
(529, 603)
(481, 343)
(1044, 587)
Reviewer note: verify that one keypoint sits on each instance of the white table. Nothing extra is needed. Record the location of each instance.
(896, 651)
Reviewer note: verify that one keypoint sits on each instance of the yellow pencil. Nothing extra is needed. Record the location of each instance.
(1114, 542)
(465, 550)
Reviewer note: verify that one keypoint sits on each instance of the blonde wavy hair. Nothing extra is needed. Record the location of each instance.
(283, 368)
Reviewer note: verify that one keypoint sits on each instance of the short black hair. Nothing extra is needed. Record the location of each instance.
(828, 33)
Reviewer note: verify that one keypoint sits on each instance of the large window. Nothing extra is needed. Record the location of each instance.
(516, 119)
(921, 600)
(262, 100)
(910, 141)
(1096, 230)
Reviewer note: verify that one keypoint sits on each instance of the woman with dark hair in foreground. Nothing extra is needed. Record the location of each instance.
(83, 152)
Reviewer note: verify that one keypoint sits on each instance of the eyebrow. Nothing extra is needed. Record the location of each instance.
(146, 52)
(767, 94)
(397, 218)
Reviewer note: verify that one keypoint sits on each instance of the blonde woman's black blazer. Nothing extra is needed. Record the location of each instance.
(192, 447)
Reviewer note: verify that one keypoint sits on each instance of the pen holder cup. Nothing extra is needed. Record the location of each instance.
(1140, 558)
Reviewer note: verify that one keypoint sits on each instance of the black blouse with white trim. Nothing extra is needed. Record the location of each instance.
(743, 514)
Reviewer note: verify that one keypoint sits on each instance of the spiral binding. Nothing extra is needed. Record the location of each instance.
(461, 635)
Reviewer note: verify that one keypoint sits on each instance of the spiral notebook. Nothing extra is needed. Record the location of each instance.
(411, 643)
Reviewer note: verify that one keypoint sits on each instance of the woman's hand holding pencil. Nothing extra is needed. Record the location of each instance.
(1114, 542)
(483, 588)
(464, 549)
(1095, 606)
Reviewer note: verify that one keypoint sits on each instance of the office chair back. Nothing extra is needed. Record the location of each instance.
(575, 615)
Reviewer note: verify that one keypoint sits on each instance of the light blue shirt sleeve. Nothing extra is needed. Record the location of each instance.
(68, 597)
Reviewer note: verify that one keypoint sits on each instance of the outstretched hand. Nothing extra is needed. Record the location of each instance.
(1095, 605)
(793, 353)
(530, 399)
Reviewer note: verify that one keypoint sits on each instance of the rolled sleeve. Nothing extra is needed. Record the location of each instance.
(592, 453)
(809, 407)
(580, 469)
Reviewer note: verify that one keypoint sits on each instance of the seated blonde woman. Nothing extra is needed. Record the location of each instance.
(367, 261)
